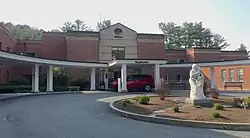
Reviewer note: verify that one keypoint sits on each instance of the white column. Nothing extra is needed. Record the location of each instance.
(157, 76)
(47, 80)
(33, 79)
(92, 79)
(212, 77)
(36, 78)
(105, 79)
(50, 79)
(124, 78)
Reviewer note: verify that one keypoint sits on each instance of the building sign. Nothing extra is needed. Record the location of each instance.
(142, 62)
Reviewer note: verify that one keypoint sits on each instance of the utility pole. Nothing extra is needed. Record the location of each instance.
(100, 17)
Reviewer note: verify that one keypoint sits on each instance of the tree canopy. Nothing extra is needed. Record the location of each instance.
(176, 36)
(190, 35)
(103, 24)
(243, 48)
(24, 32)
(77, 25)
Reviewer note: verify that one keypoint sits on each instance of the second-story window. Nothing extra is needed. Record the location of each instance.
(118, 52)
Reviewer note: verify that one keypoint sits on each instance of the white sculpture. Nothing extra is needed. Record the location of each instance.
(196, 82)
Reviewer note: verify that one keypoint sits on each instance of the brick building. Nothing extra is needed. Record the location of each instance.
(119, 42)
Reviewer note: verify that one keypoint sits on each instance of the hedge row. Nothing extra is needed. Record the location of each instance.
(27, 89)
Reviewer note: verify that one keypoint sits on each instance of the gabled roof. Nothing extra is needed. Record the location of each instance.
(118, 24)
(5, 30)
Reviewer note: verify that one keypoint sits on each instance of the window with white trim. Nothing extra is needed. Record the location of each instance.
(240, 75)
(231, 75)
(223, 75)
(118, 52)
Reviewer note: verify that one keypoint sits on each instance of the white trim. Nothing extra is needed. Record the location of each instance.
(139, 61)
(35, 60)
(208, 64)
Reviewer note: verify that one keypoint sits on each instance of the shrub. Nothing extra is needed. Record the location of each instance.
(144, 99)
(197, 106)
(218, 107)
(216, 114)
(125, 102)
(247, 100)
(137, 98)
(176, 109)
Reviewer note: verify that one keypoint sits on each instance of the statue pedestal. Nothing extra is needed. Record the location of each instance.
(202, 103)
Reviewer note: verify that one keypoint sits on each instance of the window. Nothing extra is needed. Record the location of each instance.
(231, 75)
(223, 76)
(137, 77)
(178, 78)
(0, 45)
(118, 52)
(180, 60)
(8, 49)
(240, 75)
(31, 54)
(166, 77)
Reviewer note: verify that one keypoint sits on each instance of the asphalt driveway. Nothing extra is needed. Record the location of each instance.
(82, 116)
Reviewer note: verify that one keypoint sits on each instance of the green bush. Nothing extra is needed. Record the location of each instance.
(125, 102)
(79, 82)
(246, 100)
(176, 109)
(216, 114)
(197, 106)
(27, 89)
(144, 99)
(137, 98)
(218, 107)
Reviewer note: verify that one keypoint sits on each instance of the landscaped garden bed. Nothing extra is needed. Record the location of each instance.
(224, 109)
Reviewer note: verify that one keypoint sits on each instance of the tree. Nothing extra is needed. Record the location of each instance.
(190, 35)
(243, 48)
(24, 32)
(61, 76)
(104, 24)
(78, 25)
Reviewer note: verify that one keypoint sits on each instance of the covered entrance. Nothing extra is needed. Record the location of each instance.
(123, 68)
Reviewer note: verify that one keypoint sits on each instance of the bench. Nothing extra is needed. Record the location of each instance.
(177, 85)
(233, 84)
(77, 88)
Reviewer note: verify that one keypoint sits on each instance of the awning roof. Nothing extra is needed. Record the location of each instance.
(6, 57)
(10, 58)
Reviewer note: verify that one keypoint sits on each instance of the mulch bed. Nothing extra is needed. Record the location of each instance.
(189, 112)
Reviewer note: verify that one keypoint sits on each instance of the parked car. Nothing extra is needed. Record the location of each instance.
(137, 82)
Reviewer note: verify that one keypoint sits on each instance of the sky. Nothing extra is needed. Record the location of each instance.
(229, 18)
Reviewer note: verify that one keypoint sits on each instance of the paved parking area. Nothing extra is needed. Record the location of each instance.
(86, 116)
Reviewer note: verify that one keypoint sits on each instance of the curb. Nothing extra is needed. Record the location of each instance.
(180, 122)
(16, 96)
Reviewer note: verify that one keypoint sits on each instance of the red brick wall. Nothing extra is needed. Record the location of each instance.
(10, 42)
(204, 54)
(82, 50)
(220, 84)
(54, 46)
(150, 50)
